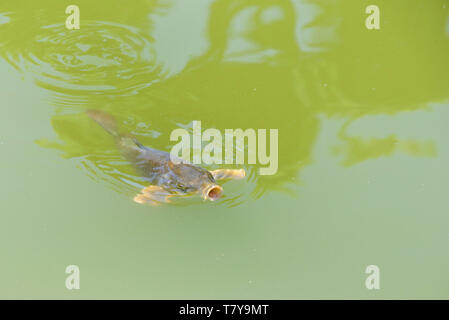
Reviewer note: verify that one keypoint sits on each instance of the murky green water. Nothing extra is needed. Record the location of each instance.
(363, 154)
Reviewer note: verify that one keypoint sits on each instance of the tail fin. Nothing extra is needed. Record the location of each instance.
(108, 122)
(105, 120)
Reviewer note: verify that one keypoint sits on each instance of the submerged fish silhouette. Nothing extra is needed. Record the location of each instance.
(167, 178)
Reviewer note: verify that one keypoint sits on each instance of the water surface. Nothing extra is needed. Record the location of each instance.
(362, 119)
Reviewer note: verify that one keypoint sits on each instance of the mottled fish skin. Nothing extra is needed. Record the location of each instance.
(154, 165)
(159, 169)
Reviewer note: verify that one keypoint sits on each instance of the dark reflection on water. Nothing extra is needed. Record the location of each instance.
(269, 64)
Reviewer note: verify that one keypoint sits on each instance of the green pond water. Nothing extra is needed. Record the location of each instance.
(363, 174)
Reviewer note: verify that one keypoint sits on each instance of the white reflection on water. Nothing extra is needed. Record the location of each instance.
(4, 18)
(313, 33)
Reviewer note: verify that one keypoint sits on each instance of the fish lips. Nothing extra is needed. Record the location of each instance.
(212, 192)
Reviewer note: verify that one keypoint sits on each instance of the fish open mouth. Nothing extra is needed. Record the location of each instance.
(213, 192)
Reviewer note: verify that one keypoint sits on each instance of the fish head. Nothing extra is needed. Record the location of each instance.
(193, 179)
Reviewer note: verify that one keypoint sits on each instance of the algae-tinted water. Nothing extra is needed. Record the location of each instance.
(363, 155)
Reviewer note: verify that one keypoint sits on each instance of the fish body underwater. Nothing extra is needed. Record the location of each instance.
(167, 178)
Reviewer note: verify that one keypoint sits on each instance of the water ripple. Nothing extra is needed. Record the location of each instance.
(100, 58)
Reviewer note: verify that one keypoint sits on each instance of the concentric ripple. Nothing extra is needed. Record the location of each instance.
(101, 57)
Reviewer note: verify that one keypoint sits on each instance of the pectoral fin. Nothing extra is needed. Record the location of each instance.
(153, 195)
(228, 174)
